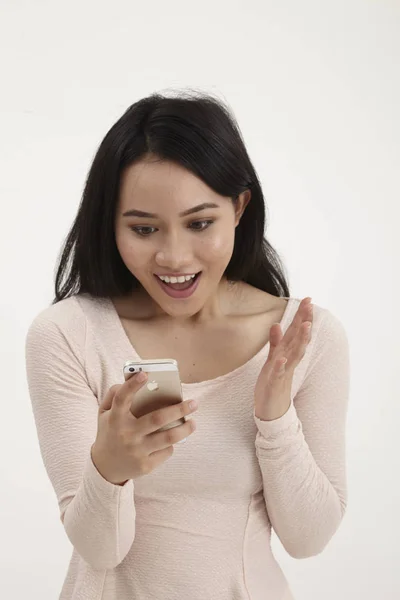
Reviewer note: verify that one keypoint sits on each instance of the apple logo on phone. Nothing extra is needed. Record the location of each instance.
(152, 386)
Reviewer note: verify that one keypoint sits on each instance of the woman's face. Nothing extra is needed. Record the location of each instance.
(170, 223)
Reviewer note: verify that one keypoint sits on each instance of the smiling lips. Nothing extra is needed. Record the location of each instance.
(179, 286)
(176, 278)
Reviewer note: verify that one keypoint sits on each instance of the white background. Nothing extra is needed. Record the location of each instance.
(315, 88)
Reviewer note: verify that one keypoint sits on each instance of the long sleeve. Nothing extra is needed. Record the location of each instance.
(98, 516)
(302, 454)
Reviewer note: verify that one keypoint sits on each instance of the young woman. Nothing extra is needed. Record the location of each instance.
(167, 259)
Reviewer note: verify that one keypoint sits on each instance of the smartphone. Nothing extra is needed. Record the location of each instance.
(163, 387)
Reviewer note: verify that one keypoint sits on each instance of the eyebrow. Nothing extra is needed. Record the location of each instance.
(140, 213)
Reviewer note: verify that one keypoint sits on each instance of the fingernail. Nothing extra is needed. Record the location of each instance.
(141, 377)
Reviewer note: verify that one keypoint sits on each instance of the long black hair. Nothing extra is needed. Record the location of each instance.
(197, 131)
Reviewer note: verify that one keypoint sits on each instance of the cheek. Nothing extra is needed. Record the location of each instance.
(135, 255)
(217, 246)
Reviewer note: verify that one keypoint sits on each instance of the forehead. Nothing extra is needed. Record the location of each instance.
(149, 184)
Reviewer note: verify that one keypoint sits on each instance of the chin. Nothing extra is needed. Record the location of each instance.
(182, 307)
(179, 308)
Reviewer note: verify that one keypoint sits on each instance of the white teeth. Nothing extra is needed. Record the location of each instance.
(180, 279)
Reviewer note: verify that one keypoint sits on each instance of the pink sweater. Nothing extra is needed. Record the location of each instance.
(199, 526)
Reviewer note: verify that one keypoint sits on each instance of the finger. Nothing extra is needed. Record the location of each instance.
(106, 403)
(303, 313)
(304, 310)
(123, 397)
(160, 440)
(275, 335)
(307, 326)
(153, 421)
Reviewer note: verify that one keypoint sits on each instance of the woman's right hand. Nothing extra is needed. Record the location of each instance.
(126, 447)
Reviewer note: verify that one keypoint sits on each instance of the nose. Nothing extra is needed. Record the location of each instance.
(174, 254)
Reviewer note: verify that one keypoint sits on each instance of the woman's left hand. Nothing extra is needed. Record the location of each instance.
(274, 384)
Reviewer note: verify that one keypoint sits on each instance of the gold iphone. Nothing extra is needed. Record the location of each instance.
(163, 387)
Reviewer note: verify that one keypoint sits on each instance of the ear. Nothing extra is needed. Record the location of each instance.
(240, 206)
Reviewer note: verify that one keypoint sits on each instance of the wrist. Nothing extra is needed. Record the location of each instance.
(99, 465)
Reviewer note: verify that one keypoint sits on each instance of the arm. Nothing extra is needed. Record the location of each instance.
(98, 516)
(302, 454)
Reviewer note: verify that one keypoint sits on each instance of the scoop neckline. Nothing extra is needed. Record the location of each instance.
(130, 349)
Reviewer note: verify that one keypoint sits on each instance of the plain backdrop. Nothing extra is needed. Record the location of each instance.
(315, 88)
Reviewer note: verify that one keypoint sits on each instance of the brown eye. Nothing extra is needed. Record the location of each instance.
(142, 231)
(201, 225)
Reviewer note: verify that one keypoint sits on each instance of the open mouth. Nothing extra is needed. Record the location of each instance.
(179, 287)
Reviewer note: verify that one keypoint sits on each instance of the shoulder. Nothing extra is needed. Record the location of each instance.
(248, 300)
(326, 324)
(328, 329)
(328, 347)
(61, 313)
(60, 323)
